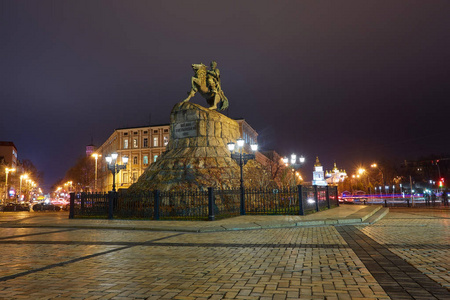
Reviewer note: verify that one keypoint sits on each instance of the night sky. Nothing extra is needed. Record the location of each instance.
(349, 81)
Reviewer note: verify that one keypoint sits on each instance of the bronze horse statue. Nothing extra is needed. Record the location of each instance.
(207, 83)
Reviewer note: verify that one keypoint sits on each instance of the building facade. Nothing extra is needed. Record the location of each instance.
(335, 176)
(8, 161)
(318, 174)
(142, 146)
(8, 154)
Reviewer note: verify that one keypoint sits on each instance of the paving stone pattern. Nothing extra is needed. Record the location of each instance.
(283, 263)
(397, 277)
(421, 237)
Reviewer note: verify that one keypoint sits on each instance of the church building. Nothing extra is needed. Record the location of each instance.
(318, 174)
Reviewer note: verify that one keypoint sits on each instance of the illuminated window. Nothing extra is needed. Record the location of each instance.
(155, 141)
(125, 144)
(135, 160)
(155, 157)
(145, 160)
(125, 177)
(135, 143)
(145, 142)
(166, 140)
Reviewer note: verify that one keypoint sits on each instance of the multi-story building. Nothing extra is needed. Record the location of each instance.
(8, 154)
(8, 161)
(142, 146)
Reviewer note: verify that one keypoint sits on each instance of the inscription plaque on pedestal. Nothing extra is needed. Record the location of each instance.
(185, 130)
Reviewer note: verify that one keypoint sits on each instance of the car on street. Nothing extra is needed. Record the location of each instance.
(62, 203)
(16, 207)
(46, 207)
(346, 197)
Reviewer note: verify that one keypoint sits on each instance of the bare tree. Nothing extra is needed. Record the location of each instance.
(81, 175)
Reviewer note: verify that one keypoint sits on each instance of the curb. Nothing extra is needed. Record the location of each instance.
(365, 216)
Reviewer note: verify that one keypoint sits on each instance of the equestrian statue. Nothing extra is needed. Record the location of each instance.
(207, 83)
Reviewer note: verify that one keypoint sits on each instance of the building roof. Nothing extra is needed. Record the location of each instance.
(4, 143)
(137, 127)
(317, 164)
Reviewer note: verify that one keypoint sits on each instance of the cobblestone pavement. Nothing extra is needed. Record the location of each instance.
(284, 263)
(421, 237)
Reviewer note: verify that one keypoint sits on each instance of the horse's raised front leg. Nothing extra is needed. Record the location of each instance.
(193, 90)
(190, 95)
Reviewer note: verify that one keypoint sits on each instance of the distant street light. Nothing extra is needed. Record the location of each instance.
(241, 158)
(96, 156)
(7, 170)
(375, 166)
(361, 172)
(293, 164)
(68, 184)
(114, 167)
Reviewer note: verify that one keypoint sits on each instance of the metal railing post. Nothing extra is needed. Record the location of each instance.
(211, 216)
(327, 193)
(316, 197)
(156, 205)
(72, 206)
(82, 200)
(242, 204)
(111, 196)
(301, 209)
(336, 195)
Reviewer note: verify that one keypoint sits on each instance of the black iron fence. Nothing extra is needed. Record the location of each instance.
(204, 205)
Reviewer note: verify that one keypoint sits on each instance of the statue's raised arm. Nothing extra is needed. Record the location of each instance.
(207, 83)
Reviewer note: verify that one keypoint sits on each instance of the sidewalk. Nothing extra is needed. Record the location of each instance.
(344, 214)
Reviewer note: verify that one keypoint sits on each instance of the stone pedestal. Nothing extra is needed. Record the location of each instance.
(197, 155)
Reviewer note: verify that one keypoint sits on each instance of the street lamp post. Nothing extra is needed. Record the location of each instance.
(7, 170)
(382, 174)
(114, 167)
(20, 185)
(96, 156)
(241, 158)
(361, 172)
(27, 189)
(293, 164)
